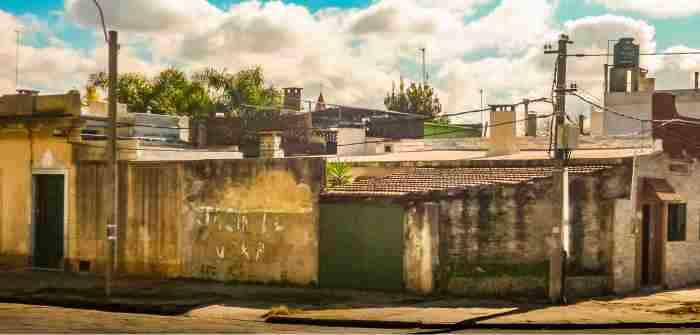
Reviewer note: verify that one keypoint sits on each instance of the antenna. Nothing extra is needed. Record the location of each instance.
(425, 75)
(19, 41)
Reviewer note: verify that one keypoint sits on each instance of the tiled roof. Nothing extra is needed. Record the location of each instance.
(424, 180)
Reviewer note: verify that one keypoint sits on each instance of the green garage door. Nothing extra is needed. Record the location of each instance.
(361, 247)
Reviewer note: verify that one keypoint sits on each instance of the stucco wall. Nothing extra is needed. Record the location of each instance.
(227, 220)
(682, 267)
(252, 220)
(625, 247)
(48, 153)
(497, 240)
(350, 141)
(638, 104)
(421, 247)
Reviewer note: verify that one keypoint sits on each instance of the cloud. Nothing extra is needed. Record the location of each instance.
(654, 8)
(677, 71)
(139, 15)
(354, 53)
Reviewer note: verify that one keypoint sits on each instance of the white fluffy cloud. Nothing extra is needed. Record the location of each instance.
(139, 15)
(654, 8)
(354, 53)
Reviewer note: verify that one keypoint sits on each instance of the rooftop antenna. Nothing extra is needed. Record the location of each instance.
(19, 41)
(425, 73)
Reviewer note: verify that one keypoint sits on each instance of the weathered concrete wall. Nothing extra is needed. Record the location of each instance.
(587, 286)
(522, 143)
(625, 247)
(252, 220)
(421, 247)
(639, 104)
(94, 205)
(349, 140)
(682, 267)
(496, 240)
(591, 224)
(233, 220)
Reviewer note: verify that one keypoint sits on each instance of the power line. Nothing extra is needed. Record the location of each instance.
(452, 131)
(677, 120)
(641, 54)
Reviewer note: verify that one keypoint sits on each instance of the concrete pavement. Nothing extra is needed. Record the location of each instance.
(220, 302)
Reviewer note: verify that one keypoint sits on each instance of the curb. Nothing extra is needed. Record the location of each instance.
(105, 305)
(353, 323)
(582, 326)
(474, 324)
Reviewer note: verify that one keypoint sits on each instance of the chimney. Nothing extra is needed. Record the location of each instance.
(270, 144)
(663, 106)
(292, 98)
(503, 138)
(531, 124)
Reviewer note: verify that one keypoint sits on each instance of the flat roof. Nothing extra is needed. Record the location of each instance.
(460, 155)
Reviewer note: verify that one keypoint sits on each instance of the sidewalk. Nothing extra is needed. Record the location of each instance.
(309, 306)
(669, 309)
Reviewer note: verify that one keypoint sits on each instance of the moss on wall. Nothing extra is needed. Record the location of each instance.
(487, 270)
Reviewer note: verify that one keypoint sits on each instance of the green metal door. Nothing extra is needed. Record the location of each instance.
(48, 221)
(361, 246)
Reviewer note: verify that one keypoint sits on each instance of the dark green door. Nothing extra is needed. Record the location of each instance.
(48, 220)
(361, 247)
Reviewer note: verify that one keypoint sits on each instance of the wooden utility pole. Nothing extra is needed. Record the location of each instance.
(558, 257)
(114, 162)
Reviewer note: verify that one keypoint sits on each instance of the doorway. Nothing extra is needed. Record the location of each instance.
(48, 220)
(652, 244)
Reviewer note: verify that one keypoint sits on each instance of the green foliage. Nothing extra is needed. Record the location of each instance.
(338, 173)
(172, 92)
(417, 99)
(486, 270)
(236, 92)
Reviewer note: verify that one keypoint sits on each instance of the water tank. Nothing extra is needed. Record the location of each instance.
(626, 53)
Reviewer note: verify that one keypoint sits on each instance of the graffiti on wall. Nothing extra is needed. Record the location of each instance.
(231, 244)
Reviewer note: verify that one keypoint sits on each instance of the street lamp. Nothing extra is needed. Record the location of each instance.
(111, 38)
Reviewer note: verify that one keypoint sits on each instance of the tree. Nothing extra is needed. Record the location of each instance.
(133, 90)
(235, 92)
(417, 99)
(172, 92)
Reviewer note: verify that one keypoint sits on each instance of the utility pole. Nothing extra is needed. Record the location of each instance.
(481, 114)
(114, 161)
(557, 266)
(19, 43)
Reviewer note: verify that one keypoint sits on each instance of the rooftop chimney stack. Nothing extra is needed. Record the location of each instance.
(292, 98)
(270, 144)
(503, 137)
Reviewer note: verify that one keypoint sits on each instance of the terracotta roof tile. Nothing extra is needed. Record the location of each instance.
(424, 180)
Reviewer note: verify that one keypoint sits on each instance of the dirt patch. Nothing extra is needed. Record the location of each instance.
(281, 311)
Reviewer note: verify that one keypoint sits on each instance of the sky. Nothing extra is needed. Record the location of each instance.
(354, 49)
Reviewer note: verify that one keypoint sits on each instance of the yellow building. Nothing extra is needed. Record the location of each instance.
(37, 178)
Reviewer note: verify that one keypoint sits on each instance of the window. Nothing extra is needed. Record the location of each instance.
(677, 215)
